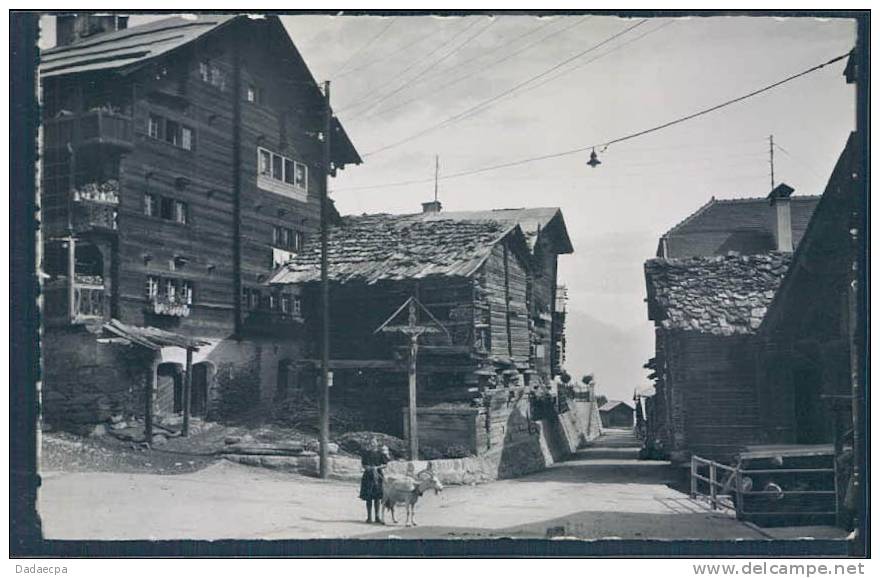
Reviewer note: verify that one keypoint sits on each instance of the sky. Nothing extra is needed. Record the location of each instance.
(401, 87)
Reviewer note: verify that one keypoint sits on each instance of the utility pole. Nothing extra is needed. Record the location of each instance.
(772, 168)
(324, 405)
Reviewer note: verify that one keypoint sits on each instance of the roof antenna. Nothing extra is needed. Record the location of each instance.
(772, 167)
(436, 174)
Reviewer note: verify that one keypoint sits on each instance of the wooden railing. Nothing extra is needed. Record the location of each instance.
(719, 493)
(91, 215)
(93, 127)
(736, 485)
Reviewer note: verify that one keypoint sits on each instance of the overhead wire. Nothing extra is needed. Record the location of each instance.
(365, 47)
(482, 68)
(605, 144)
(427, 69)
(366, 97)
(384, 58)
(484, 103)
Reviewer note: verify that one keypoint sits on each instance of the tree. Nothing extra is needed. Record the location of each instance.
(564, 377)
(601, 400)
(588, 380)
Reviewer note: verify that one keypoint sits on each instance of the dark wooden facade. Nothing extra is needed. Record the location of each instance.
(152, 195)
(805, 362)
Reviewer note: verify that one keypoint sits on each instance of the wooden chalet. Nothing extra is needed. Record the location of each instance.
(475, 277)
(181, 163)
(547, 237)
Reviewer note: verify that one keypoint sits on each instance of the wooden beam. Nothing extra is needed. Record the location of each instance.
(187, 391)
(149, 394)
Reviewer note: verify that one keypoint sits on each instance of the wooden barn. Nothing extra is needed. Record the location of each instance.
(181, 162)
(616, 414)
(706, 311)
(475, 280)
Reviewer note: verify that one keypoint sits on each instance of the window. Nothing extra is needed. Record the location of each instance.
(282, 171)
(153, 128)
(277, 167)
(286, 238)
(297, 306)
(289, 171)
(166, 208)
(218, 77)
(151, 205)
(172, 132)
(253, 94)
(152, 287)
(301, 176)
(169, 289)
(212, 74)
(180, 212)
(265, 163)
(286, 304)
(186, 139)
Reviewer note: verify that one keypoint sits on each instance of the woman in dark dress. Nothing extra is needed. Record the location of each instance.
(373, 462)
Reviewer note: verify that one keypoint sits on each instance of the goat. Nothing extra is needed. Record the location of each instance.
(407, 490)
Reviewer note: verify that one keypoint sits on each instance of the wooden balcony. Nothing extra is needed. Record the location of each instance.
(83, 303)
(91, 216)
(93, 128)
(169, 306)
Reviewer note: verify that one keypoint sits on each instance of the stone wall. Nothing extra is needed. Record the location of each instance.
(85, 382)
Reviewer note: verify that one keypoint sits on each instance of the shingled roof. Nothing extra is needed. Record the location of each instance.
(532, 221)
(741, 225)
(128, 47)
(722, 295)
(373, 248)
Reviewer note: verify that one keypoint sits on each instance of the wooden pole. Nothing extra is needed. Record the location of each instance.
(187, 390)
(148, 400)
(324, 425)
(413, 356)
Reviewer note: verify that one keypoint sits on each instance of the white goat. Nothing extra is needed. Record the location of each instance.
(407, 490)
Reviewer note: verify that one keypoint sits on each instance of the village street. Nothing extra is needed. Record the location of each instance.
(603, 492)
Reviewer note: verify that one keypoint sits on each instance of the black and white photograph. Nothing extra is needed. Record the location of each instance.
(573, 279)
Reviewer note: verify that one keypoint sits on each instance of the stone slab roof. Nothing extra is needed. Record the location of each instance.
(373, 248)
(532, 221)
(723, 295)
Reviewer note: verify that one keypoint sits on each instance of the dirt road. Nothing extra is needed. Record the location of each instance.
(603, 492)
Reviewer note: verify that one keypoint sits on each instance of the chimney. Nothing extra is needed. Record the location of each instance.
(70, 28)
(780, 197)
(432, 207)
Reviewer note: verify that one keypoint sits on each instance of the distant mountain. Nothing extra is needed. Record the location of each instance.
(615, 355)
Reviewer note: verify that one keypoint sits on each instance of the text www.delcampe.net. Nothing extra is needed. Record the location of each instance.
(779, 569)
